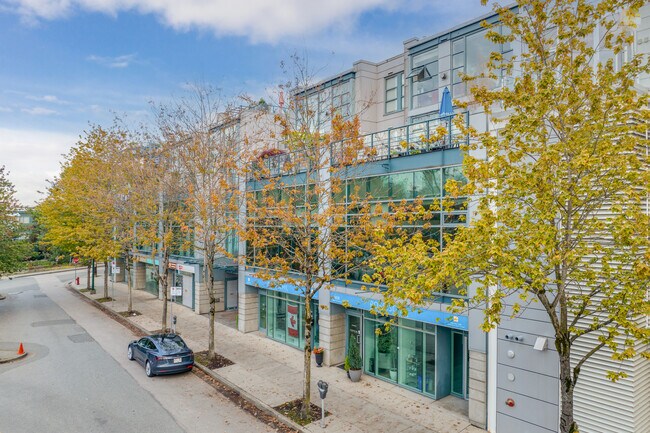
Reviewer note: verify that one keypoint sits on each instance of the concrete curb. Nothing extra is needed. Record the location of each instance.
(251, 398)
(225, 382)
(14, 358)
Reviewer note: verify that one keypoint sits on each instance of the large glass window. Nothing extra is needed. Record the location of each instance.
(405, 354)
(402, 184)
(394, 100)
(282, 316)
(428, 183)
(470, 55)
(424, 79)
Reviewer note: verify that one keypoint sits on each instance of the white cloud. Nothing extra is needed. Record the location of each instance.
(113, 62)
(39, 111)
(52, 99)
(5, 109)
(260, 20)
(32, 157)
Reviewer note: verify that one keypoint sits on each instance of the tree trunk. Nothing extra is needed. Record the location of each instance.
(306, 387)
(106, 279)
(129, 282)
(567, 385)
(209, 272)
(88, 277)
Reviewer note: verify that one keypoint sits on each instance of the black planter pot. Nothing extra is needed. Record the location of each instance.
(319, 359)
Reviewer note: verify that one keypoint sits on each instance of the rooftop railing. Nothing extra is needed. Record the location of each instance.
(416, 138)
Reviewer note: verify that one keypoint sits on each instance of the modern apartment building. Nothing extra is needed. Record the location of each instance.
(508, 377)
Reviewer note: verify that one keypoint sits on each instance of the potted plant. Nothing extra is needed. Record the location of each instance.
(354, 362)
(318, 354)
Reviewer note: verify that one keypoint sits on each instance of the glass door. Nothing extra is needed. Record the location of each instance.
(354, 331)
(370, 347)
(410, 358)
(430, 364)
(459, 364)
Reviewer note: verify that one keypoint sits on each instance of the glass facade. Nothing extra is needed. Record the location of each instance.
(282, 318)
(408, 352)
(384, 189)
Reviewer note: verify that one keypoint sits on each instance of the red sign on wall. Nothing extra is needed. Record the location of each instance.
(292, 316)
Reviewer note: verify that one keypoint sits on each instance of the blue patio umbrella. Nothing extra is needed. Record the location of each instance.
(446, 109)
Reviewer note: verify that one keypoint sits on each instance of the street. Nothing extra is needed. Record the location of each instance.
(77, 378)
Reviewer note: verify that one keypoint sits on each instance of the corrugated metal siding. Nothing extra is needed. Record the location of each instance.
(642, 394)
(603, 406)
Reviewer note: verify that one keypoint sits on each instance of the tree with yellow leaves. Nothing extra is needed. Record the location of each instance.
(301, 232)
(558, 195)
(204, 130)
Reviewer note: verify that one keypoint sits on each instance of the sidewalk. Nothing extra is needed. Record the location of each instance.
(272, 372)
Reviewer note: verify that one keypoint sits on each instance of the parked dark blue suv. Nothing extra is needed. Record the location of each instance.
(161, 354)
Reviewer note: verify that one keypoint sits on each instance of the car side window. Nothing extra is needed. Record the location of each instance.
(143, 343)
(150, 345)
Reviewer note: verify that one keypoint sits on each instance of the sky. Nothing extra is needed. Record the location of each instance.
(69, 64)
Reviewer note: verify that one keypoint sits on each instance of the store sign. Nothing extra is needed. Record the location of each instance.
(292, 320)
(181, 267)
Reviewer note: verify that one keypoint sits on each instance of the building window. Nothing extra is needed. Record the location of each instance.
(424, 79)
(394, 93)
(282, 316)
(324, 100)
(470, 55)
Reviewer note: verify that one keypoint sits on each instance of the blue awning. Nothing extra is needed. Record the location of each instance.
(291, 289)
(440, 318)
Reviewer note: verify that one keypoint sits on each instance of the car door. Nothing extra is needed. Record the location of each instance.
(140, 350)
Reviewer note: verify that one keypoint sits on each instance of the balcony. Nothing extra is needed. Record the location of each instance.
(413, 139)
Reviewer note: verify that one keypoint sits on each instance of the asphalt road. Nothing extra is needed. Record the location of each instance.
(77, 378)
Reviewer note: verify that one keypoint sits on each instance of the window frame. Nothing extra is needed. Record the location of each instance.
(399, 93)
(424, 70)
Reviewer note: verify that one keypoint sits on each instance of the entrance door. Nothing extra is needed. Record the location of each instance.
(231, 294)
(354, 332)
(177, 280)
(188, 292)
(459, 364)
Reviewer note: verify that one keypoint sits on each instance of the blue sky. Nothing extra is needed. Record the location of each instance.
(67, 63)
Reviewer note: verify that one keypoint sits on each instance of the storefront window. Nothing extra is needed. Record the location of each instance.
(410, 358)
(282, 316)
(151, 281)
(406, 354)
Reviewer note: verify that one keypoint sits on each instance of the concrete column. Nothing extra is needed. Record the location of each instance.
(248, 319)
(219, 290)
(331, 337)
(478, 388)
(140, 274)
(120, 277)
(201, 297)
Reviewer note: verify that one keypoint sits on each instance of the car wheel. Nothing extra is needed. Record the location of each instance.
(129, 353)
(147, 369)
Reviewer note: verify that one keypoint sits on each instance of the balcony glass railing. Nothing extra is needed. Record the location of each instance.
(421, 137)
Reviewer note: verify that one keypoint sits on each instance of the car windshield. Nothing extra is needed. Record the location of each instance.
(172, 344)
